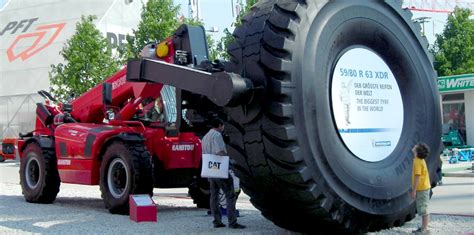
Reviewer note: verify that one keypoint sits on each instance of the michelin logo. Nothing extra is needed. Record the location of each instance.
(384, 143)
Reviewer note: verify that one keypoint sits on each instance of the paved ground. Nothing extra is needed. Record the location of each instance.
(456, 194)
(459, 169)
(79, 209)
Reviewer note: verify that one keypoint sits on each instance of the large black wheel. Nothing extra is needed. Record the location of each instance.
(349, 89)
(39, 177)
(199, 192)
(126, 169)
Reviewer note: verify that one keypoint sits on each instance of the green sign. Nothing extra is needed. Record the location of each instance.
(456, 83)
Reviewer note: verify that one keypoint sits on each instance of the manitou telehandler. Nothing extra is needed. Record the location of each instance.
(126, 142)
(322, 101)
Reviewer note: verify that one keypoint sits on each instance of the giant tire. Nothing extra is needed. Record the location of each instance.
(126, 169)
(290, 158)
(39, 177)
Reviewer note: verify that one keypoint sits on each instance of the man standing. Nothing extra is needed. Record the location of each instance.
(213, 143)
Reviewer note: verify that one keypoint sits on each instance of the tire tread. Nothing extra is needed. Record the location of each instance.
(268, 158)
(141, 180)
(52, 182)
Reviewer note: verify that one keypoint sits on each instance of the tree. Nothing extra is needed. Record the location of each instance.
(192, 21)
(454, 48)
(88, 60)
(214, 50)
(159, 19)
(224, 42)
(245, 9)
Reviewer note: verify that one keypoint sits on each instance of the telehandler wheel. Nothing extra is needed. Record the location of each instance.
(126, 169)
(349, 89)
(199, 192)
(39, 177)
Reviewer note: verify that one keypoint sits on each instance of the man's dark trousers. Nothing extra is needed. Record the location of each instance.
(227, 186)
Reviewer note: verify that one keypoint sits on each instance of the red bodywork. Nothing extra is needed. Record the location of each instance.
(79, 146)
(10, 153)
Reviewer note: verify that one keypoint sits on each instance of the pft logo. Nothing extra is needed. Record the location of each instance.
(28, 44)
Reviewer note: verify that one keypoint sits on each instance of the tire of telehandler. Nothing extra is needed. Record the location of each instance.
(290, 157)
(39, 177)
(125, 169)
(200, 193)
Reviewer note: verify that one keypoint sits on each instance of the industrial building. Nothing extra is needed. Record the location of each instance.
(32, 33)
(457, 101)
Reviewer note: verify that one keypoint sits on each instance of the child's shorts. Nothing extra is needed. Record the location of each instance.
(422, 198)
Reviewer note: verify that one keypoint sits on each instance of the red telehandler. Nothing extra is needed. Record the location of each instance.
(322, 101)
(123, 136)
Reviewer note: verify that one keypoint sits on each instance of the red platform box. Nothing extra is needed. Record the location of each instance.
(142, 208)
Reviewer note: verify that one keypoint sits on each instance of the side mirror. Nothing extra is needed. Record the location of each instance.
(107, 93)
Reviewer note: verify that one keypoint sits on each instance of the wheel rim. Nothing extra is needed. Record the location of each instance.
(32, 173)
(117, 178)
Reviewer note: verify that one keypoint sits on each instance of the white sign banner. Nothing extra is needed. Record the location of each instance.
(367, 104)
(214, 166)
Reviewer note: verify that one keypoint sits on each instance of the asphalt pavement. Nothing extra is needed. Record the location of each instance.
(79, 209)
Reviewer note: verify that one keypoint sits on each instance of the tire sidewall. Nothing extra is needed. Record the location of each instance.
(116, 151)
(32, 153)
(199, 192)
(317, 54)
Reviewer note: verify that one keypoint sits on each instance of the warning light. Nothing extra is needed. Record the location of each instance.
(162, 50)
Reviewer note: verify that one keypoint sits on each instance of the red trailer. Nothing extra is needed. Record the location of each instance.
(8, 150)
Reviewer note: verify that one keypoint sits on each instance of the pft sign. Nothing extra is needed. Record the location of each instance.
(29, 42)
(14, 26)
(117, 40)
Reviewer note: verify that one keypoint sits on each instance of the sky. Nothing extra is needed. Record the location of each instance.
(218, 13)
(215, 13)
(437, 21)
(2, 3)
(435, 24)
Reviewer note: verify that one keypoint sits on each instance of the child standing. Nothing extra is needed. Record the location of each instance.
(421, 184)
